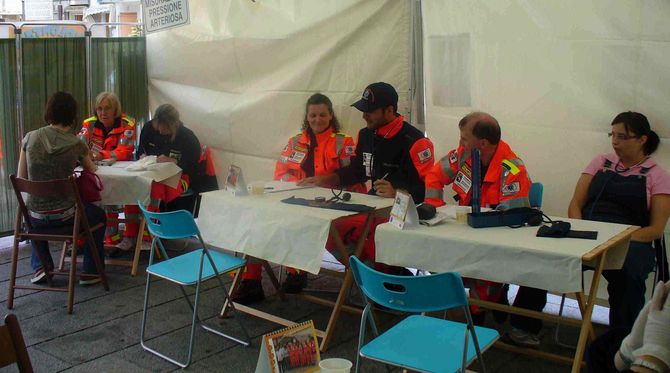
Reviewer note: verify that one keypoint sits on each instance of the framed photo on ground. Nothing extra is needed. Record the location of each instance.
(293, 349)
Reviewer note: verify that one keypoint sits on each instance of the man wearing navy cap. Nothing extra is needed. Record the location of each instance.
(390, 152)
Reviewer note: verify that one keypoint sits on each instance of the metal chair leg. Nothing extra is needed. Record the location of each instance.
(145, 311)
(558, 327)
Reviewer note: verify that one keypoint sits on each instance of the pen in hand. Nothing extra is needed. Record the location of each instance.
(382, 178)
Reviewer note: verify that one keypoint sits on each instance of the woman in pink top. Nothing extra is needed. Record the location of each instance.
(626, 187)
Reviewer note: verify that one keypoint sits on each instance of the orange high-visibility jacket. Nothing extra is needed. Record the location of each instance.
(119, 143)
(333, 151)
(506, 183)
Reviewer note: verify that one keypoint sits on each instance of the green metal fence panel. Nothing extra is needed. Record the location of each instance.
(51, 65)
(119, 66)
(59, 64)
(9, 133)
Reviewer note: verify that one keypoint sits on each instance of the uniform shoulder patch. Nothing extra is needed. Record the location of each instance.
(83, 131)
(453, 156)
(128, 133)
(350, 150)
(425, 155)
(511, 167)
(511, 189)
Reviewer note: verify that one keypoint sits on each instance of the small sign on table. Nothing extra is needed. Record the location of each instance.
(403, 213)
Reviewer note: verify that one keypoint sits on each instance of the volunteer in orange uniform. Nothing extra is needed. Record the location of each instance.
(109, 134)
(165, 137)
(390, 152)
(505, 182)
(319, 149)
(331, 149)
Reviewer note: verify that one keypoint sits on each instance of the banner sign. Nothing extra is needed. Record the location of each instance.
(163, 14)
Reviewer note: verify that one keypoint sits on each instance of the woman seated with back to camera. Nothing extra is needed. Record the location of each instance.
(52, 152)
(319, 149)
(625, 187)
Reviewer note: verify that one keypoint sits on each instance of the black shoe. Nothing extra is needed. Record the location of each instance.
(249, 292)
(294, 283)
(39, 277)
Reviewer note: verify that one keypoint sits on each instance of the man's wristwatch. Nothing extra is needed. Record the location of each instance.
(647, 364)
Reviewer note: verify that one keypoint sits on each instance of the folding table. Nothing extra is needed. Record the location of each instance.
(263, 227)
(515, 256)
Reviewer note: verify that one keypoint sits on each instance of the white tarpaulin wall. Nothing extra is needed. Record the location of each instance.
(553, 73)
(241, 72)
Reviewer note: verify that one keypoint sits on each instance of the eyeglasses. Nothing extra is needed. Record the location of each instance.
(621, 136)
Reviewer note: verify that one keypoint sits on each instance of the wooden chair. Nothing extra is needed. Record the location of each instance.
(62, 188)
(12, 347)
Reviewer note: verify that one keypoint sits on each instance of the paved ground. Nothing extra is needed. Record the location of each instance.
(103, 333)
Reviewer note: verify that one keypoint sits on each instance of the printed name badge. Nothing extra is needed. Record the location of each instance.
(463, 182)
(403, 214)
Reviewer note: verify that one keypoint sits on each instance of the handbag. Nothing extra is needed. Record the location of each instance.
(89, 185)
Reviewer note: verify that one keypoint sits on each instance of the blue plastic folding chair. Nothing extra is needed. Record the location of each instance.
(186, 270)
(419, 343)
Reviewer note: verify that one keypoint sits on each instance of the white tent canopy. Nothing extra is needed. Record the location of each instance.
(553, 73)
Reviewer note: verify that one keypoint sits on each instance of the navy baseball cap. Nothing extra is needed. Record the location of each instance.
(377, 95)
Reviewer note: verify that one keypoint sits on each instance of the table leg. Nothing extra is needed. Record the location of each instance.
(138, 247)
(233, 287)
(587, 327)
(581, 301)
(273, 279)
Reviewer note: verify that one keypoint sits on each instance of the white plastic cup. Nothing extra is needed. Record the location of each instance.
(335, 365)
(462, 214)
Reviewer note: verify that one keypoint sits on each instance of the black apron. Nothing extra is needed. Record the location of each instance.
(614, 198)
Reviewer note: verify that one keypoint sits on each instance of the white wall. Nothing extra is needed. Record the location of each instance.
(241, 72)
(553, 73)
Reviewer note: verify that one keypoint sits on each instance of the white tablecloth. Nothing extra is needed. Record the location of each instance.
(123, 187)
(264, 227)
(499, 254)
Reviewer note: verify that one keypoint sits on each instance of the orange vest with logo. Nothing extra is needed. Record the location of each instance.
(119, 143)
(332, 151)
(506, 183)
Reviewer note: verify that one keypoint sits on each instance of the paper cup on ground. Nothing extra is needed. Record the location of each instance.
(462, 214)
(335, 365)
